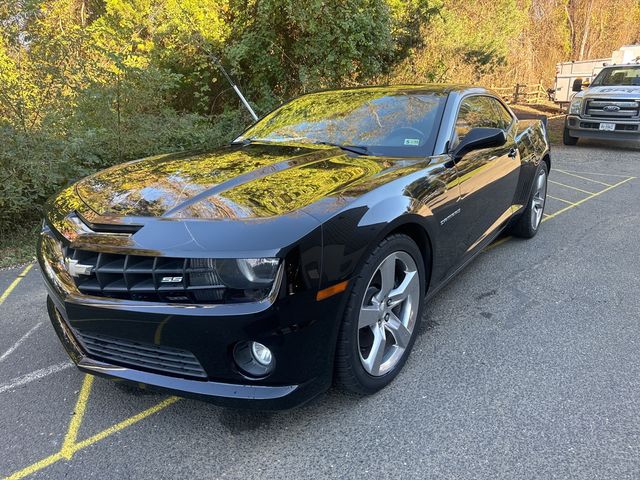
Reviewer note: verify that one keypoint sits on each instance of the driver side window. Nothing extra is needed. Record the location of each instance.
(475, 112)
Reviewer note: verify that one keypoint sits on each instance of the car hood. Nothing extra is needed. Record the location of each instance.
(235, 182)
(619, 91)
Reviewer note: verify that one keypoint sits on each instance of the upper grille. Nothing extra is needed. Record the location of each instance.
(141, 355)
(144, 278)
(628, 109)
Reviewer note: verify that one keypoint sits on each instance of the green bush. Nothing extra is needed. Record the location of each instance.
(37, 164)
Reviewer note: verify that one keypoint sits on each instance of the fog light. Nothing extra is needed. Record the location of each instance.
(261, 354)
(254, 359)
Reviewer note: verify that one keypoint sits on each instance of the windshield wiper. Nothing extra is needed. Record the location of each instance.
(359, 149)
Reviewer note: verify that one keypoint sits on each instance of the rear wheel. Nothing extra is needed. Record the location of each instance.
(382, 316)
(528, 223)
(567, 139)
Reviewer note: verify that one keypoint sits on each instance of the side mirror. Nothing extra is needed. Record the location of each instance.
(479, 138)
(577, 85)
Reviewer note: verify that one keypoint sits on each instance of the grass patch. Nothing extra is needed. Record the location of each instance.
(18, 246)
(555, 127)
(555, 123)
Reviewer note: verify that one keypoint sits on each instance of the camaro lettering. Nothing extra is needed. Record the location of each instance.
(449, 217)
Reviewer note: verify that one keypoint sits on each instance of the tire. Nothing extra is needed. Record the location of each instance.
(567, 139)
(528, 223)
(362, 333)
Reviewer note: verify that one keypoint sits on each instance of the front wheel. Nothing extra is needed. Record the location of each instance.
(382, 316)
(527, 224)
(567, 139)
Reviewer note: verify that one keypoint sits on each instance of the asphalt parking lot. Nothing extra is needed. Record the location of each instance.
(527, 366)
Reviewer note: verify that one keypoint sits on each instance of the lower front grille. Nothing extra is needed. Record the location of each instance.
(144, 356)
(621, 127)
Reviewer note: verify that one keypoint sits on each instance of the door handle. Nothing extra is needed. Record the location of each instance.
(513, 152)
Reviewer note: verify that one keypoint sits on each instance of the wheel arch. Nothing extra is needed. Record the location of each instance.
(349, 238)
(547, 159)
(420, 236)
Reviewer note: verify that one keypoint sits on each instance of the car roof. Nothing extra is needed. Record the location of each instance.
(442, 88)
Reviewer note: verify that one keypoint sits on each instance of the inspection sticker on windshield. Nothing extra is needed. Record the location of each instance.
(608, 126)
(412, 141)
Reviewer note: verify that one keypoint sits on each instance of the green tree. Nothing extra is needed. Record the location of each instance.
(280, 48)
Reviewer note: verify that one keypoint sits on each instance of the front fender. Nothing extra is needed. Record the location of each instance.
(350, 236)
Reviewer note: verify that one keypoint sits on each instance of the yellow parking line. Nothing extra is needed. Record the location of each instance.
(125, 423)
(574, 188)
(15, 283)
(599, 174)
(36, 467)
(78, 415)
(495, 244)
(560, 199)
(584, 178)
(562, 210)
(70, 446)
(569, 207)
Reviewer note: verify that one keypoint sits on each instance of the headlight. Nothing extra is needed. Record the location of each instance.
(248, 273)
(576, 106)
(242, 279)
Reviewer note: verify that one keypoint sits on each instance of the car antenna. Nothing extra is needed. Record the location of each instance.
(201, 43)
(218, 63)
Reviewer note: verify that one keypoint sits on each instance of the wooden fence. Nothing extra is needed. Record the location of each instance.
(523, 93)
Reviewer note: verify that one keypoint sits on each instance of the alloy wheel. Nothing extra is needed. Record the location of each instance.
(388, 313)
(539, 197)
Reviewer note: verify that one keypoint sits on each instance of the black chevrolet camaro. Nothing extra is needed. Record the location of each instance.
(298, 256)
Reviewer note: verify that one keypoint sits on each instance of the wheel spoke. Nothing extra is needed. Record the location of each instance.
(537, 204)
(385, 329)
(388, 274)
(401, 292)
(374, 360)
(400, 333)
(369, 316)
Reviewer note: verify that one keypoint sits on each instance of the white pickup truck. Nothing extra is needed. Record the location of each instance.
(608, 109)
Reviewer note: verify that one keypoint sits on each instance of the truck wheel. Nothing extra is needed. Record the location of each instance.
(567, 139)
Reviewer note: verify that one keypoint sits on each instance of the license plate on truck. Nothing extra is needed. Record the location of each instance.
(610, 127)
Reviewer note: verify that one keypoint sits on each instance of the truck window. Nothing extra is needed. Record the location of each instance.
(618, 76)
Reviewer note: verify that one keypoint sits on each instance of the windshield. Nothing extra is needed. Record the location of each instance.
(378, 121)
(618, 76)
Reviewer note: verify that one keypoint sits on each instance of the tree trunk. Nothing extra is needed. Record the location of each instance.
(585, 31)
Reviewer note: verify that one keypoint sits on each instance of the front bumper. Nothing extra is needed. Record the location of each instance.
(300, 332)
(590, 128)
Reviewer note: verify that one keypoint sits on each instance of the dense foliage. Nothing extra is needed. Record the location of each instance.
(85, 84)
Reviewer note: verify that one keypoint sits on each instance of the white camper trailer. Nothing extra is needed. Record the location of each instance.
(568, 72)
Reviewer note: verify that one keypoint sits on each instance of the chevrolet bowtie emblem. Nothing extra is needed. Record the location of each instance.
(76, 269)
